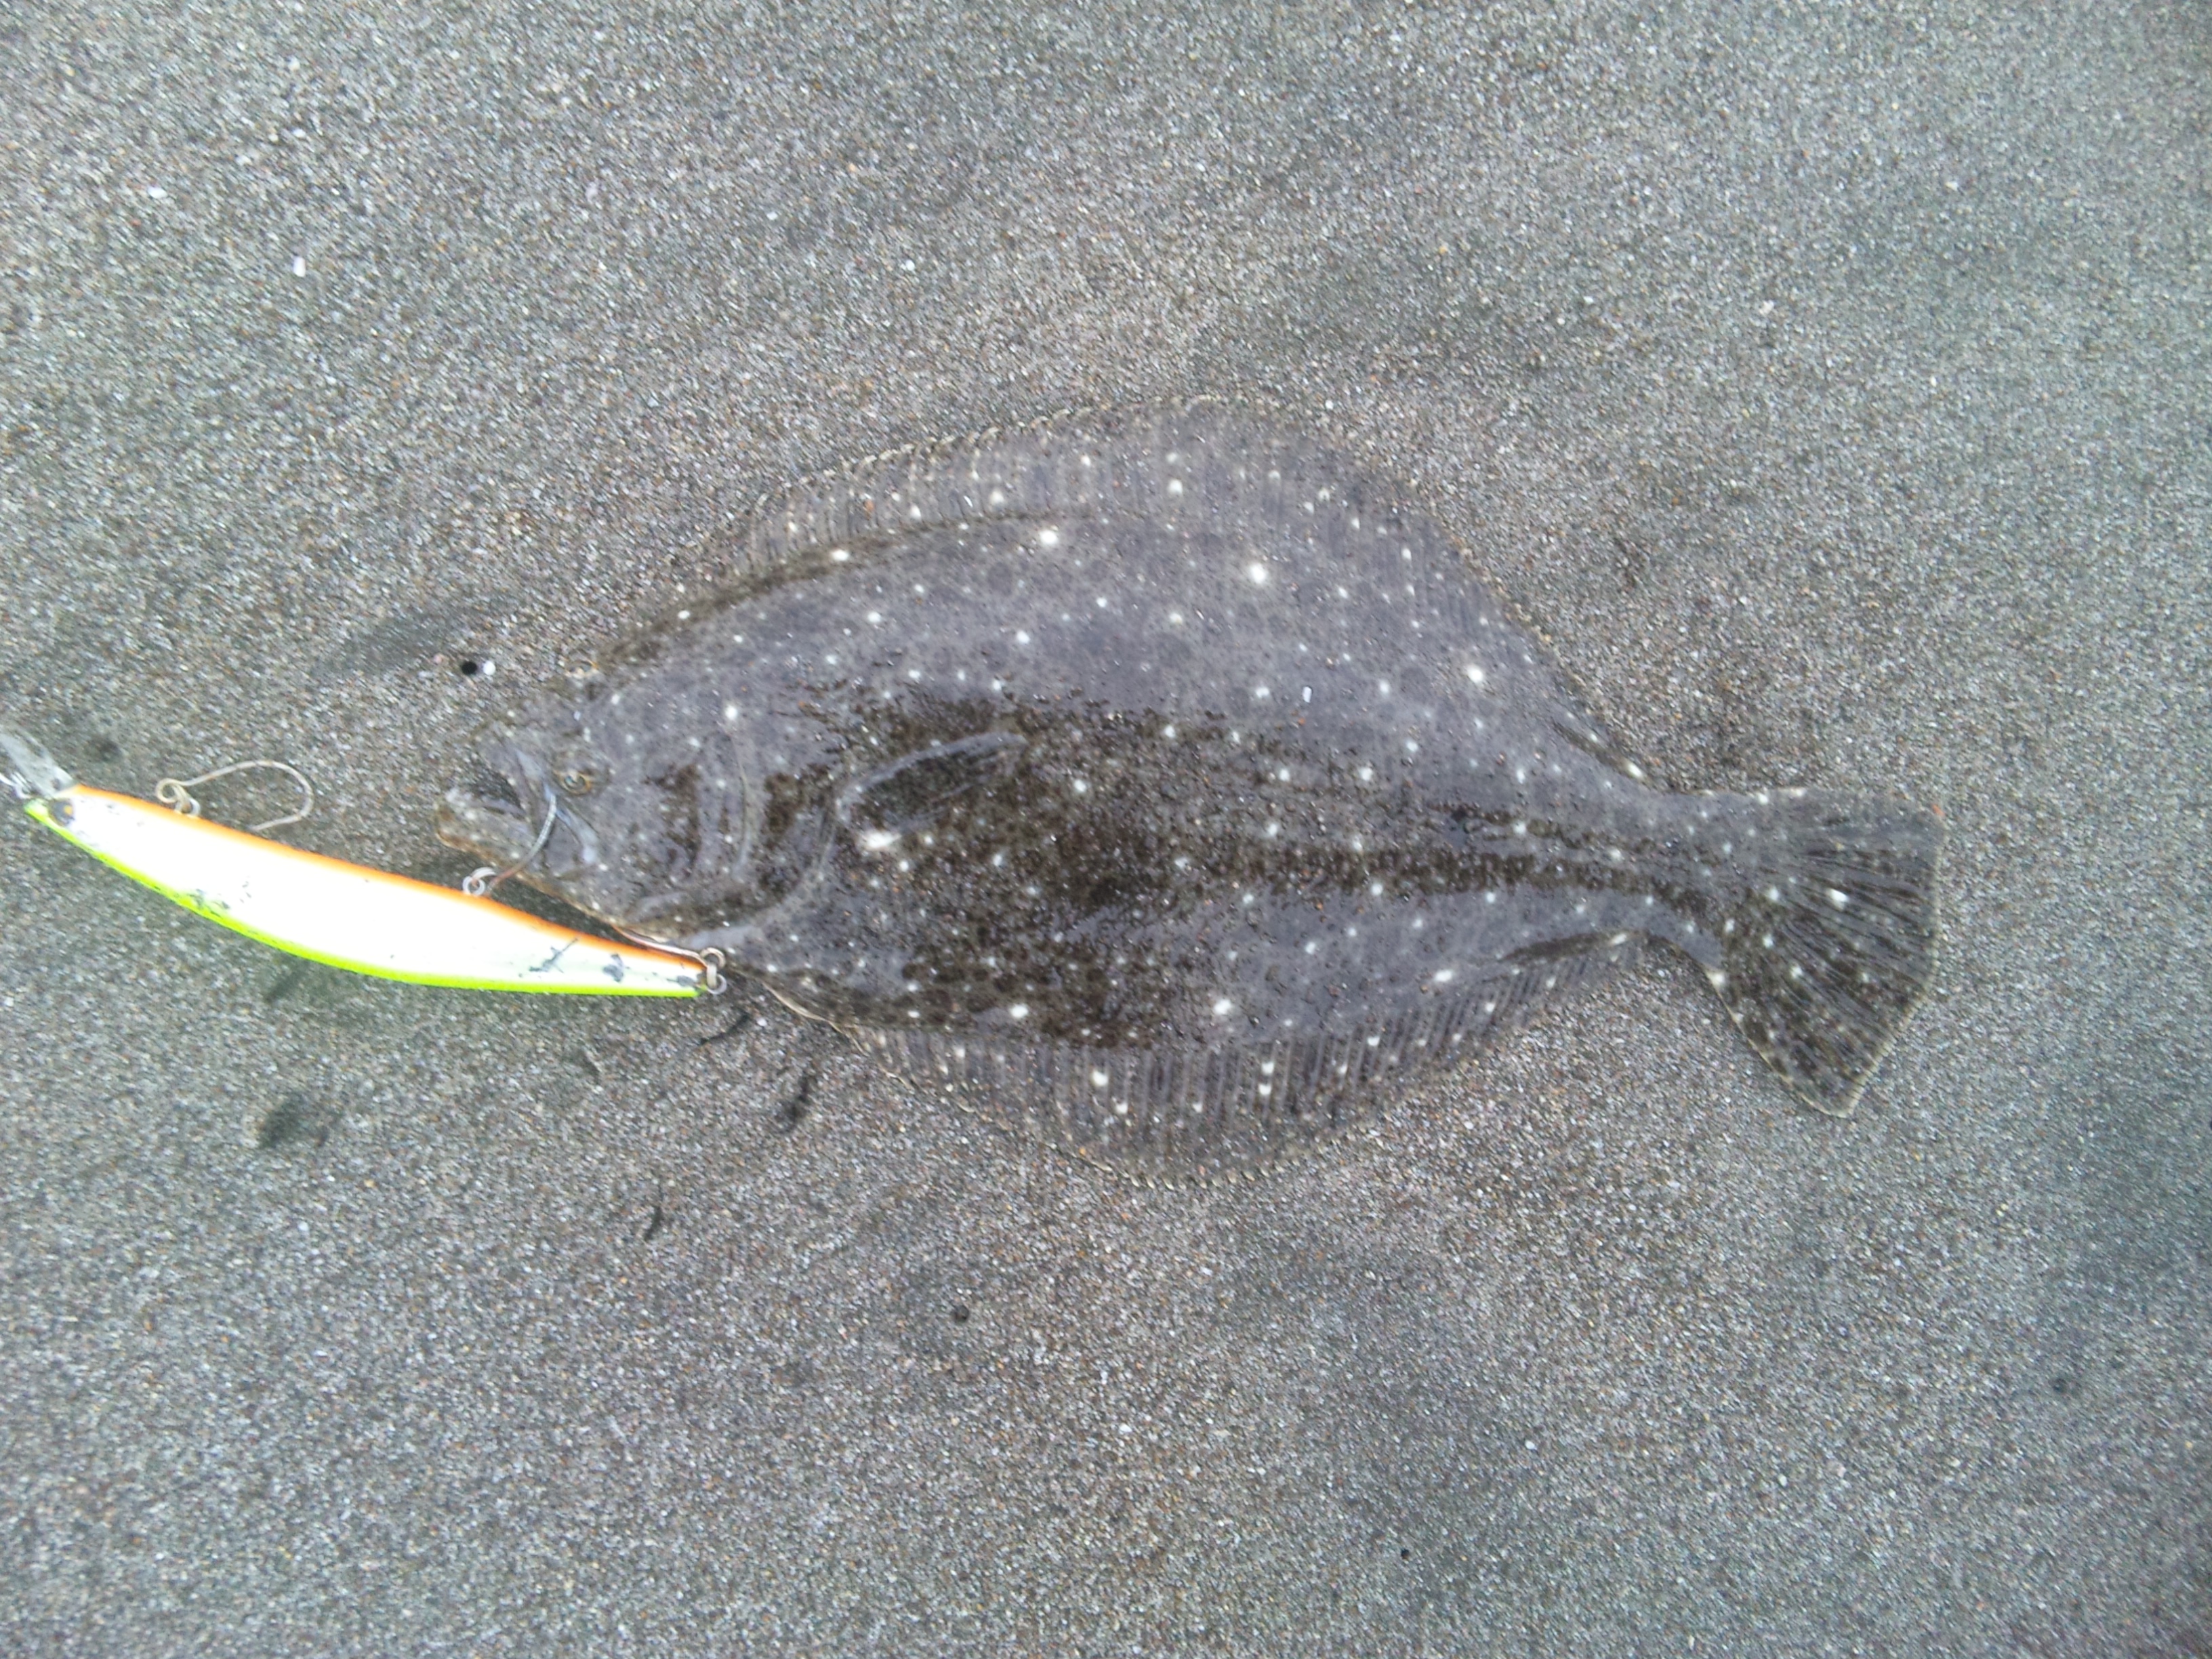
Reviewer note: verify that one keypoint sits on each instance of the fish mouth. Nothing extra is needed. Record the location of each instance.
(494, 831)
(491, 818)
(514, 819)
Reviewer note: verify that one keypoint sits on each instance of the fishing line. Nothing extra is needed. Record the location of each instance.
(480, 881)
(178, 792)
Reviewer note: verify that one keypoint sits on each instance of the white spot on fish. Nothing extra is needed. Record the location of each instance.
(1257, 572)
(1018, 1011)
(1047, 538)
(1222, 1007)
(1441, 977)
(1474, 672)
(879, 841)
(838, 555)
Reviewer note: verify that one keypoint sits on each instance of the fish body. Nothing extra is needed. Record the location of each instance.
(1162, 783)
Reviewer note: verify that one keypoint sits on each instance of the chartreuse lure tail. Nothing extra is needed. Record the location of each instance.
(330, 911)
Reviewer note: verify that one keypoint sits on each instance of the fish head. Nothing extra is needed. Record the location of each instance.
(649, 834)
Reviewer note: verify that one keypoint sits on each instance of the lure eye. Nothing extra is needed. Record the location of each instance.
(575, 781)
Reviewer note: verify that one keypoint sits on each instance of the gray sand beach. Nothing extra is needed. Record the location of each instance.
(1829, 386)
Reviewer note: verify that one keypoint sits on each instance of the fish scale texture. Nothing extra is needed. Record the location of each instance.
(1159, 782)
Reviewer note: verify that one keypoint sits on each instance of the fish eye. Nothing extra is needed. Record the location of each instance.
(575, 780)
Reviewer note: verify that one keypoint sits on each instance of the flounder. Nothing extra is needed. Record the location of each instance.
(1163, 784)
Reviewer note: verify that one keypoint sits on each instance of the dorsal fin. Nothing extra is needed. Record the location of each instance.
(1114, 461)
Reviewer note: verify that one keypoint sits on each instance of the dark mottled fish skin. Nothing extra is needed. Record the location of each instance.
(1162, 784)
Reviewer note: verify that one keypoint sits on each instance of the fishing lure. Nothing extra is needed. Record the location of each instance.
(347, 915)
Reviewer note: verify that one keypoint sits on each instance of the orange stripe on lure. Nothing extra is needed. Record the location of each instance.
(328, 910)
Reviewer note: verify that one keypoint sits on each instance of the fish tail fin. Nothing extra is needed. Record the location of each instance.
(1827, 950)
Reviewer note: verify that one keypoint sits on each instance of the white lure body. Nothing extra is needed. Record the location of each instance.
(348, 916)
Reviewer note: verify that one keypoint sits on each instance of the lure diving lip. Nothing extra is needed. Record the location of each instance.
(330, 911)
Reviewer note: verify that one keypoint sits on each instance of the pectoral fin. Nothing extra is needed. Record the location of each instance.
(915, 789)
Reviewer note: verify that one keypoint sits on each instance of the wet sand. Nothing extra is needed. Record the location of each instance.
(1830, 390)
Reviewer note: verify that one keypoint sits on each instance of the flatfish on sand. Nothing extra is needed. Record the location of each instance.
(1162, 785)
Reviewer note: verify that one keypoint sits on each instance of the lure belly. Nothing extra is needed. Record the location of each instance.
(347, 914)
